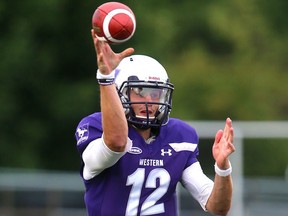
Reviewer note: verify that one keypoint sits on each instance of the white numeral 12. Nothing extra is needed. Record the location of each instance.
(149, 206)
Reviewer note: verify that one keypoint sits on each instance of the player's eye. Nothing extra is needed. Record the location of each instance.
(144, 92)
(155, 94)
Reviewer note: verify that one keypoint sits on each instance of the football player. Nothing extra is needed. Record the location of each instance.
(133, 155)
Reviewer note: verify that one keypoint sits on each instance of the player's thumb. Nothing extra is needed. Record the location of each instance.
(127, 52)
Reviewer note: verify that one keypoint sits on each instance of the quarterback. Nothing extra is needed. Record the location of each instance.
(133, 155)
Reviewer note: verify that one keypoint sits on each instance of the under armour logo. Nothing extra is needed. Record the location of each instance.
(163, 152)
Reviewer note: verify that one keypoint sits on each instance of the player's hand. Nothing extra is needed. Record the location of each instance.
(223, 145)
(107, 60)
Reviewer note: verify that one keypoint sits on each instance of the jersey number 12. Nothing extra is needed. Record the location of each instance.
(137, 180)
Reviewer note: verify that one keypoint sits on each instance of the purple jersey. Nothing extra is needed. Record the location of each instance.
(144, 180)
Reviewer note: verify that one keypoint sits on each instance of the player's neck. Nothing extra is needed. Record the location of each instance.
(146, 134)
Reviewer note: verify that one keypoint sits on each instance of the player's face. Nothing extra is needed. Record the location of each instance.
(142, 94)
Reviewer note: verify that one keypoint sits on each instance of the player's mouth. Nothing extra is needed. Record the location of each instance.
(143, 114)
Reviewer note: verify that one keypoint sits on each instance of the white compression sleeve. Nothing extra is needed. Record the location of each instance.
(97, 157)
(197, 183)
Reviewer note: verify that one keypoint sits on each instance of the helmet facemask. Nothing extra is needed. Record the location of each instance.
(161, 94)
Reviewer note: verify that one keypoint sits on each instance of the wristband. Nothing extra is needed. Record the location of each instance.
(99, 75)
(105, 82)
(104, 79)
(223, 173)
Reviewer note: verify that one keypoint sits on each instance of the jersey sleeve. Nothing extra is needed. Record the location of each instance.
(97, 157)
(88, 129)
(197, 183)
(95, 154)
(183, 138)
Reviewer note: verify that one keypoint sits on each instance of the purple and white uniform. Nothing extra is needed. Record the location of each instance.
(142, 180)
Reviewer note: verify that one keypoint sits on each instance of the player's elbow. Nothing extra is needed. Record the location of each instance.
(219, 208)
(116, 143)
(220, 211)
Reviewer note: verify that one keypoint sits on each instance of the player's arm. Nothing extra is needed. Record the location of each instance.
(114, 123)
(219, 202)
(108, 149)
(220, 199)
(197, 183)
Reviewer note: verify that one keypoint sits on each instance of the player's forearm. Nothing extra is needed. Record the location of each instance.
(114, 122)
(220, 199)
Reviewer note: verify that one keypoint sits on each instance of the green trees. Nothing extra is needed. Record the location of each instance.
(225, 59)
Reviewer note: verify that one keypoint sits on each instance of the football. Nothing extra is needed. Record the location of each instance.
(114, 22)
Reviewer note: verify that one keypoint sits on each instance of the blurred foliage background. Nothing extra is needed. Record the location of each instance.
(225, 58)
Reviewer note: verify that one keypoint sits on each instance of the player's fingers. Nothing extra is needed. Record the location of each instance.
(126, 52)
(231, 130)
(94, 38)
(227, 127)
(96, 42)
(93, 34)
(218, 136)
(231, 147)
(100, 46)
(231, 135)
